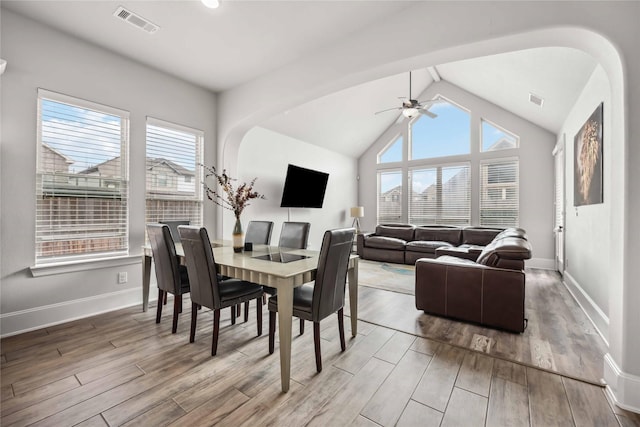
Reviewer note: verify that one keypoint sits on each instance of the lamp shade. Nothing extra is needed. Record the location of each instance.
(357, 212)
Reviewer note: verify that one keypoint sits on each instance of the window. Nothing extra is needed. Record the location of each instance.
(389, 196)
(81, 179)
(174, 190)
(446, 135)
(499, 202)
(440, 195)
(392, 153)
(494, 138)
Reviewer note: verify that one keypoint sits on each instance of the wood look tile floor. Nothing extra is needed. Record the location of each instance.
(121, 368)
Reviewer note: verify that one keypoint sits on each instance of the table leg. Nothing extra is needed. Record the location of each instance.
(285, 314)
(146, 279)
(353, 297)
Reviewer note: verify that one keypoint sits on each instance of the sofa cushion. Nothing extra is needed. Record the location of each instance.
(508, 248)
(512, 232)
(382, 242)
(479, 235)
(438, 234)
(426, 246)
(399, 231)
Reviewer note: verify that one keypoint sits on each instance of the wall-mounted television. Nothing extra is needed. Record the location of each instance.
(303, 188)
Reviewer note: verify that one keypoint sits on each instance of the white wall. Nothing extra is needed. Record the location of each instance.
(587, 228)
(40, 57)
(265, 154)
(536, 168)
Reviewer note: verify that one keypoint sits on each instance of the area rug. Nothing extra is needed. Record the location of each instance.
(388, 277)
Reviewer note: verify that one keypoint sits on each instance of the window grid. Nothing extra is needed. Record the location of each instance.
(440, 195)
(499, 193)
(496, 138)
(173, 178)
(81, 180)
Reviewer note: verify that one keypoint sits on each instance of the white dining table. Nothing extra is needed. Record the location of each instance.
(284, 276)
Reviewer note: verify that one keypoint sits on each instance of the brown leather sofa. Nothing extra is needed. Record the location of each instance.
(405, 243)
(489, 291)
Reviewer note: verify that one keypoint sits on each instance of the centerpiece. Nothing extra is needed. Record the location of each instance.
(233, 199)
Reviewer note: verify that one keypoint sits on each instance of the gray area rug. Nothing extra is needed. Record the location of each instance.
(388, 277)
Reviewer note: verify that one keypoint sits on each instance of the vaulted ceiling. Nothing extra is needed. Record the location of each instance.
(222, 48)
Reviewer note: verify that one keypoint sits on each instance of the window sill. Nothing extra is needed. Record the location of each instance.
(83, 265)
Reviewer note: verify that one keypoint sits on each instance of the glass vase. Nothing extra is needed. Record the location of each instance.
(238, 236)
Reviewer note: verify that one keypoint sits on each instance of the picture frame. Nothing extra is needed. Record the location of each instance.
(587, 165)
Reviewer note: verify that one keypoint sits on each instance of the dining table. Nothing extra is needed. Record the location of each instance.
(277, 267)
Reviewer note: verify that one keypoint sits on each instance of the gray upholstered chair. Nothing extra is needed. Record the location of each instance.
(207, 290)
(294, 235)
(172, 277)
(326, 296)
(173, 227)
(259, 232)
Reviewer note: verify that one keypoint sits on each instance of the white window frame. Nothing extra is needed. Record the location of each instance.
(496, 161)
(43, 261)
(197, 197)
(379, 172)
(482, 150)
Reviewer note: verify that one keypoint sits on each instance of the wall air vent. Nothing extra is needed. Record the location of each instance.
(536, 99)
(135, 20)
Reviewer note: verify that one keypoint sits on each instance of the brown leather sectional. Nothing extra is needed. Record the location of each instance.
(489, 290)
(406, 243)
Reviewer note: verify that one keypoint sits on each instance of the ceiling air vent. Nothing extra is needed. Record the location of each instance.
(536, 99)
(135, 20)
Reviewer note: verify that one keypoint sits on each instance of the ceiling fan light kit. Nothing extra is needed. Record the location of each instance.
(411, 107)
(211, 4)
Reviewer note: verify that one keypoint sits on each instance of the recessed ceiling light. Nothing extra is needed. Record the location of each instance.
(211, 4)
(536, 99)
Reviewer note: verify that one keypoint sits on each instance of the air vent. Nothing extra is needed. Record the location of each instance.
(135, 20)
(536, 99)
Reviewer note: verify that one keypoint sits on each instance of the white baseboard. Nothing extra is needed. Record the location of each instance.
(622, 388)
(18, 322)
(542, 263)
(594, 313)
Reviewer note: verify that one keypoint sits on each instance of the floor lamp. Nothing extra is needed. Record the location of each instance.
(357, 212)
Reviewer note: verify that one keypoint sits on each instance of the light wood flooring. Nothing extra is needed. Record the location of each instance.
(121, 368)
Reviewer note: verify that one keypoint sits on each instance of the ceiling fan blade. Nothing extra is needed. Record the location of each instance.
(388, 109)
(428, 113)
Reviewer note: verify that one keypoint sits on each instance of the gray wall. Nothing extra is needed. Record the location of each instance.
(40, 57)
(587, 228)
(280, 150)
(536, 168)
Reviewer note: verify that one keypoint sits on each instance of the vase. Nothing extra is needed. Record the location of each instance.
(238, 236)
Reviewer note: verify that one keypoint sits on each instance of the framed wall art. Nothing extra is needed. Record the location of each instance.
(587, 165)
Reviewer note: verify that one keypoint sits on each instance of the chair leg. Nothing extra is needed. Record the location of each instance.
(233, 314)
(159, 310)
(301, 326)
(259, 316)
(246, 311)
(177, 308)
(341, 328)
(264, 299)
(238, 310)
(194, 314)
(316, 341)
(216, 330)
(166, 295)
(272, 331)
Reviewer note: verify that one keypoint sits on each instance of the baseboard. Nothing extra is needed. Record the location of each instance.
(594, 313)
(542, 263)
(622, 388)
(31, 319)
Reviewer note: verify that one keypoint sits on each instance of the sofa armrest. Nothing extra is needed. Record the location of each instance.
(464, 253)
(360, 238)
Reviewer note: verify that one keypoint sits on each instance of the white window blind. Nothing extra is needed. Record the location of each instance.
(499, 193)
(389, 196)
(174, 189)
(81, 179)
(440, 195)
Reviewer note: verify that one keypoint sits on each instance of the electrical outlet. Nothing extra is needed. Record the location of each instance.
(122, 277)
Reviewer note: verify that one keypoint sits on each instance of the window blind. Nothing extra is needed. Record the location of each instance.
(440, 195)
(499, 193)
(81, 179)
(389, 196)
(173, 178)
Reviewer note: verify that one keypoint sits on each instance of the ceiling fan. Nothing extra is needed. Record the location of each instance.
(412, 107)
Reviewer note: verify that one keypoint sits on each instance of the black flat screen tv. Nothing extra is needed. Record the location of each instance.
(303, 188)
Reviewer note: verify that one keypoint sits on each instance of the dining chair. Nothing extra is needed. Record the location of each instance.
(326, 296)
(173, 227)
(259, 232)
(172, 277)
(294, 235)
(207, 289)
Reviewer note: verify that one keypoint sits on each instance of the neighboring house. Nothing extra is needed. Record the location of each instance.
(390, 205)
(165, 176)
(52, 161)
